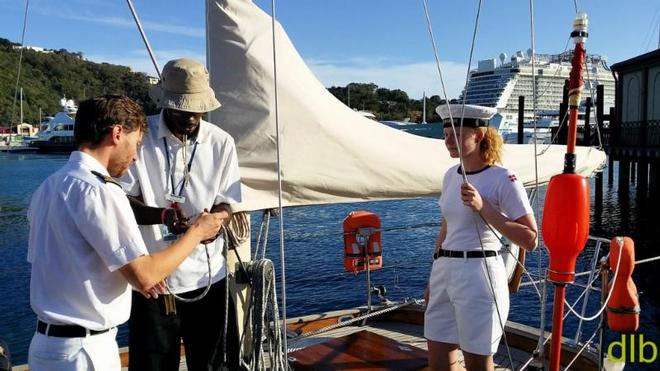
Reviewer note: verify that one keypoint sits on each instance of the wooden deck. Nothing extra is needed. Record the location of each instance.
(405, 338)
(396, 342)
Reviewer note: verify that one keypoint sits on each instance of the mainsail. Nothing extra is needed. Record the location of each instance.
(328, 152)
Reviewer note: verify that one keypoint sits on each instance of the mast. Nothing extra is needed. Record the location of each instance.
(21, 115)
(565, 223)
(424, 107)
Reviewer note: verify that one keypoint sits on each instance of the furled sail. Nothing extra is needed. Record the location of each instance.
(328, 152)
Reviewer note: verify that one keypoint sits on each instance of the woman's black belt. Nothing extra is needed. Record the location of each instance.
(465, 254)
(66, 331)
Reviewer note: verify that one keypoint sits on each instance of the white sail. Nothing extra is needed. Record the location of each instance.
(328, 153)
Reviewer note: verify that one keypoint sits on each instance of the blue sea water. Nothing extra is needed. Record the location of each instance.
(313, 245)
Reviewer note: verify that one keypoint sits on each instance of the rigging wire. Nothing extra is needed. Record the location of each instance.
(456, 137)
(539, 348)
(442, 81)
(279, 184)
(467, 83)
(20, 63)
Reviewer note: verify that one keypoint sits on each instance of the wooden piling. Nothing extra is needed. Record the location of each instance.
(624, 177)
(521, 119)
(586, 136)
(562, 136)
(642, 178)
(598, 200)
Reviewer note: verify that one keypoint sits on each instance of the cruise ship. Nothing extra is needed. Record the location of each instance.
(500, 84)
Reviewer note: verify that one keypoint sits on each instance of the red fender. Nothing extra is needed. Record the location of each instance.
(623, 305)
(358, 226)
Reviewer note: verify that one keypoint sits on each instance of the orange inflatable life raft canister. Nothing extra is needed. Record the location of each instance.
(623, 305)
(362, 239)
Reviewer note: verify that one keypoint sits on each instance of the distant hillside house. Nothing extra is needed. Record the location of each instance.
(35, 48)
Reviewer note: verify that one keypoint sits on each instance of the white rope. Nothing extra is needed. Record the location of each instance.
(264, 313)
(279, 178)
(208, 263)
(619, 241)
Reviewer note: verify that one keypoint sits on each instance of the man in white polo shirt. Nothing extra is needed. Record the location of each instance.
(85, 247)
(186, 164)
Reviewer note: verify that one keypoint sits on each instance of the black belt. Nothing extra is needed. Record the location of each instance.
(66, 331)
(465, 254)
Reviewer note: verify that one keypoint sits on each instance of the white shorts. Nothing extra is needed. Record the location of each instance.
(95, 352)
(461, 309)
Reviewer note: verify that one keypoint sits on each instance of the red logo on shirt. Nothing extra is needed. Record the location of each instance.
(512, 178)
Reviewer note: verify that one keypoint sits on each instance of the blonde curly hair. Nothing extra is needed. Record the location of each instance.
(491, 146)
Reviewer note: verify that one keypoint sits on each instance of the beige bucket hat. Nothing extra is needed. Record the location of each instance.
(184, 86)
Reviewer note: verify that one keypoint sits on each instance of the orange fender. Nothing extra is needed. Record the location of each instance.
(623, 305)
(362, 231)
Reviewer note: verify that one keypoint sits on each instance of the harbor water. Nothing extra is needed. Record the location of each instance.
(316, 280)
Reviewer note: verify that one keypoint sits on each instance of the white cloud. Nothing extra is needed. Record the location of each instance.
(413, 78)
(124, 22)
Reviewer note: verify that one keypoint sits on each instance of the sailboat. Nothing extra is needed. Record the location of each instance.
(321, 152)
(311, 149)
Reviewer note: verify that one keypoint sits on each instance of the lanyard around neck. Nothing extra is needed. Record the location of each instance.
(169, 166)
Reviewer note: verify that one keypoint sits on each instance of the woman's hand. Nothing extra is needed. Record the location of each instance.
(471, 197)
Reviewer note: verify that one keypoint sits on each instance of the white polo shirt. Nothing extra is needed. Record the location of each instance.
(81, 231)
(213, 178)
(496, 184)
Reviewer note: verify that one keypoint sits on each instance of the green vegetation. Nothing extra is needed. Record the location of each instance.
(386, 104)
(47, 77)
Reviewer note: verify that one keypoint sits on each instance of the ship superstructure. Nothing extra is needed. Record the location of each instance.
(500, 85)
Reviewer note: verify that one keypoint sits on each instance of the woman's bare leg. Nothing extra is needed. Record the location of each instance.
(478, 362)
(443, 356)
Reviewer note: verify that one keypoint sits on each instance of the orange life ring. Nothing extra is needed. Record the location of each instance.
(362, 231)
(623, 305)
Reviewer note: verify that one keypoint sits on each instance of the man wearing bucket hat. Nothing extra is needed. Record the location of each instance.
(186, 165)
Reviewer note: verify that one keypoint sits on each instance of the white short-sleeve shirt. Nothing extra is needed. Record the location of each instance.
(213, 178)
(496, 184)
(82, 230)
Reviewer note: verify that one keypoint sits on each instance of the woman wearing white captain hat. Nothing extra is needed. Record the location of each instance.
(467, 296)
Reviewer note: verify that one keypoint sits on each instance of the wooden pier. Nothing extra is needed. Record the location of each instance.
(629, 132)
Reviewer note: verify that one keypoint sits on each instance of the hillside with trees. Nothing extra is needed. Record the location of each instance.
(386, 104)
(47, 77)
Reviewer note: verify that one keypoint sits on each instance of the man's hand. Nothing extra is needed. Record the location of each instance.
(208, 225)
(222, 211)
(175, 220)
(158, 289)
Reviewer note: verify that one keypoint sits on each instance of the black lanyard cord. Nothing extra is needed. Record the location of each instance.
(169, 168)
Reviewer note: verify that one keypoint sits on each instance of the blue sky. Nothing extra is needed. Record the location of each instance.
(381, 41)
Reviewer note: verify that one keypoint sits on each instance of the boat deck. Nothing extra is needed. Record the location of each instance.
(395, 342)
(406, 335)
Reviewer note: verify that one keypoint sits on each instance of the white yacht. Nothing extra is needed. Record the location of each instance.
(56, 133)
(499, 86)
